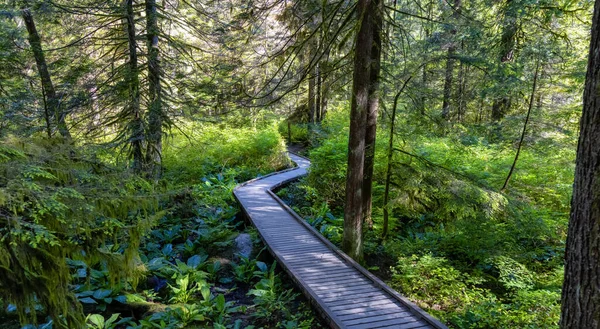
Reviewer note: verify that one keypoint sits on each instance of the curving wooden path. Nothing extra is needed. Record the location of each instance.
(346, 294)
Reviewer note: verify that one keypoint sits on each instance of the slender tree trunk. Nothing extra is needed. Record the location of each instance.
(46, 114)
(449, 76)
(461, 90)
(311, 97)
(324, 87)
(388, 173)
(155, 105)
(318, 92)
(134, 111)
(531, 98)
(373, 107)
(52, 101)
(581, 288)
(448, 83)
(423, 103)
(501, 105)
(427, 30)
(352, 242)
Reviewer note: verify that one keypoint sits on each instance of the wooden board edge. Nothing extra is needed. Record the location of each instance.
(410, 305)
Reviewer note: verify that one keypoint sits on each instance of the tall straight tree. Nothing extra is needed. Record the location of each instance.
(581, 287)
(373, 107)
(155, 104)
(449, 76)
(54, 116)
(133, 111)
(502, 104)
(352, 241)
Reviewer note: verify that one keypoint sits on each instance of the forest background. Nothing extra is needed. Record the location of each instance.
(126, 124)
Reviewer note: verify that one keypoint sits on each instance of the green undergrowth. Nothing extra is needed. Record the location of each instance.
(86, 244)
(470, 254)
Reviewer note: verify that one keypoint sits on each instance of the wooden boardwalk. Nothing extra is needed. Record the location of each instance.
(345, 294)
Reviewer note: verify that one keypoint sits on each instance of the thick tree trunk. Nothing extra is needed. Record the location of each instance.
(352, 242)
(373, 107)
(155, 106)
(52, 101)
(581, 288)
(134, 111)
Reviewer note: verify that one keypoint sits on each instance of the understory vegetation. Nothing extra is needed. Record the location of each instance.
(443, 135)
(460, 247)
(127, 252)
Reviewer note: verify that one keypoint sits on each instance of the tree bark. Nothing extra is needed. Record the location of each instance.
(501, 105)
(52, 101)
(449, 76)
(373, 107)
(324, 86)
(318, 92)
(155, 105)
(581, 288)
(352, 242)
(462, 83)
(311, 98)
(134, 111)
(448, 82)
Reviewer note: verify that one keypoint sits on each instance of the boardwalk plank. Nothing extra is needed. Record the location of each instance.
(346, 294)
(372, 303)
(351, 310)
(396, 311)
(352, 301)
(400, 316)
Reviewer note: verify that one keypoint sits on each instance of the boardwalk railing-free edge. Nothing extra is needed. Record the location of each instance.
(320, 270)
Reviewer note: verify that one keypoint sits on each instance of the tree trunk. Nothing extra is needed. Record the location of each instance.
(134, 112)
(449, 76)
(501, 105)
(155, 105)
(427, 30)
(448, 83)
(500, 108)
(423, 103)
(324, 87)
(52, 101)
(461, 90)
(373, 107)
(512, 168)
(311, 97)
(352, 242)
(388, 174)
(581, 288)
(318, 92)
